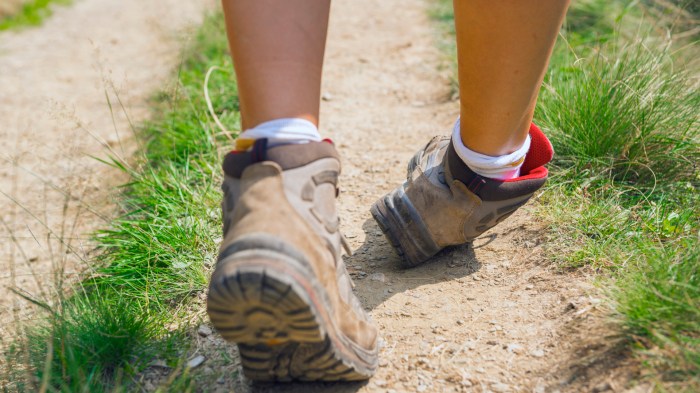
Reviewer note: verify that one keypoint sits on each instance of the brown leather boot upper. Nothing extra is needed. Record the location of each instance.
(289, 192)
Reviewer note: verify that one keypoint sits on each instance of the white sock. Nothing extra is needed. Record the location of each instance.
(283, 132)
(501, 167)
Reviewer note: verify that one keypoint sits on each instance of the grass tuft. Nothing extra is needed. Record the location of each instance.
(30, 13)
(660, 299)
(626, 114)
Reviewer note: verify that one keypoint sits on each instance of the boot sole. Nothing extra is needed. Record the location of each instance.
(272, 306)
(404, 228)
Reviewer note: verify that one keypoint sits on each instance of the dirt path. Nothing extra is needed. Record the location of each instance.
(493, 317)
(54, 80)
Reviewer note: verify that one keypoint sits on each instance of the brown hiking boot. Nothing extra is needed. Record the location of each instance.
(444, 203)
(280, 289)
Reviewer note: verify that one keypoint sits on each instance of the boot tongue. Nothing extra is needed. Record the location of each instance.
(540, 153)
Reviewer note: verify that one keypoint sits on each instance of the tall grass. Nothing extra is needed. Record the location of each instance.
(623, 111)
(626, 114)
(151, 262)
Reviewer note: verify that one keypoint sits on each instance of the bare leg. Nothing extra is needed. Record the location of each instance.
(277, 49)
(503, 47)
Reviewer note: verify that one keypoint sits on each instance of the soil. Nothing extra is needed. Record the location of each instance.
(493, 316)
(56, 81)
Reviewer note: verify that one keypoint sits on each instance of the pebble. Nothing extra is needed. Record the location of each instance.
(538, 353)
(204, 331)
(377, 277)
(326, 96)
(514, 348)
(529, 286)
(500, 387)
(602, 387)
(159, 363)
(379, 383)
(196, 361)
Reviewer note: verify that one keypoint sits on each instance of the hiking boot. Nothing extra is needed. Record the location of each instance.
(280, 289)
(444, 203)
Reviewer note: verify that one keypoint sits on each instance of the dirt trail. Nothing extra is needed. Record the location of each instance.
(54, 80)
(494, 317)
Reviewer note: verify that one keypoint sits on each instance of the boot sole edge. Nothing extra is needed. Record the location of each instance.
(277, 317)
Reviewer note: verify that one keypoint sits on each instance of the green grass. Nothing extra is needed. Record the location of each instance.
(32, 13)
(621, 103)
(134, 305)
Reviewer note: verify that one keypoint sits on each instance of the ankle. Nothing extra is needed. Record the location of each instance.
(501, 167)
(280, 132)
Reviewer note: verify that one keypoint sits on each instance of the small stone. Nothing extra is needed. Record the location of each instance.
(601, 387)
(159, 363)
(529, 287)
(379, 383)
(196, 361)
(204, 331)
(377, 277)
(326, 96)
(514, 348)
(538, 353)
(460, 322)
(475, 278)
(491, 342)
(500, 387)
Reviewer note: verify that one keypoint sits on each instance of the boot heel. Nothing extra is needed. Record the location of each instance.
(404, 228)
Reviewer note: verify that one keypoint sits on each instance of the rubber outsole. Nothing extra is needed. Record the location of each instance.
(403, 228)
(276, 318)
